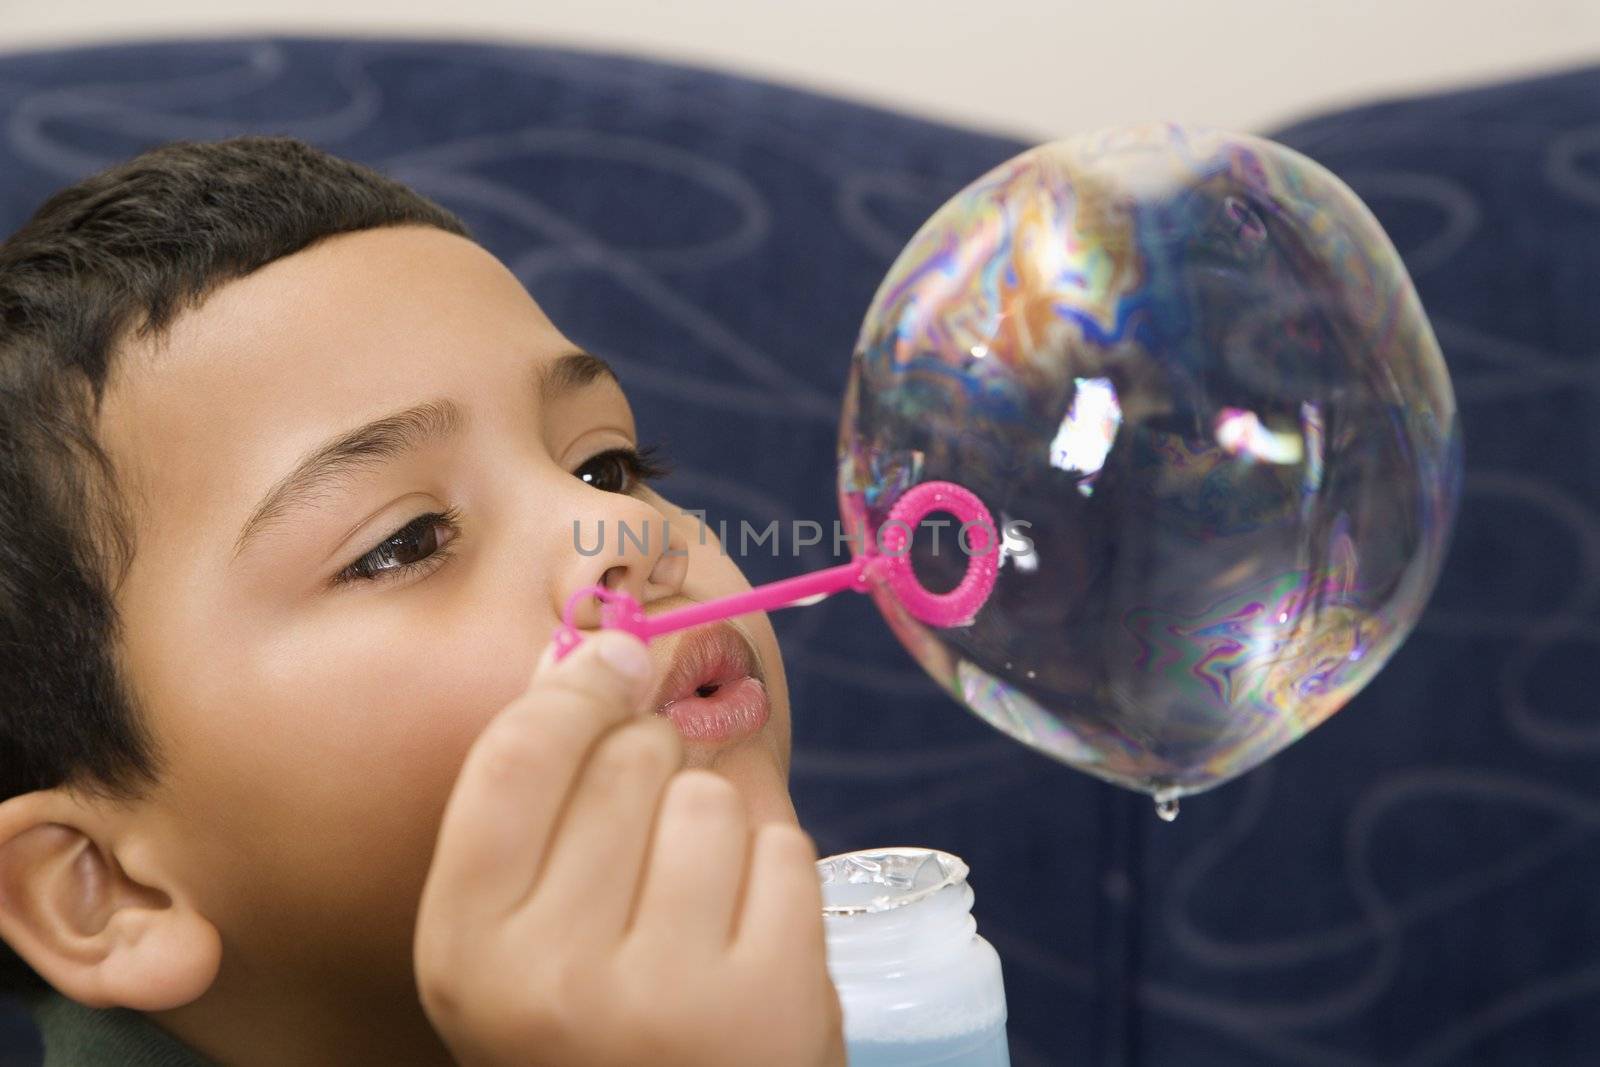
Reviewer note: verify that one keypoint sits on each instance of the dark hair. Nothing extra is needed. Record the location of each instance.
(119, 256)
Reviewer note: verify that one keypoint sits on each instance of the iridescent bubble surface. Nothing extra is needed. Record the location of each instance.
(1188, 374)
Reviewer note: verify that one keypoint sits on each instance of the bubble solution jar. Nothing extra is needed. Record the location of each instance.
(918, 986)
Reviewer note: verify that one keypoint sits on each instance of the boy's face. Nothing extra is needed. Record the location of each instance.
(314, 729)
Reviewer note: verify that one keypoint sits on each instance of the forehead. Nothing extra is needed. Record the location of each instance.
(270, 365)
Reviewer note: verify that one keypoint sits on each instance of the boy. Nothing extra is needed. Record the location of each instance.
(290, 475)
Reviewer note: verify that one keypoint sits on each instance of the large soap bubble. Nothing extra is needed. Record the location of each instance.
(1189, 376)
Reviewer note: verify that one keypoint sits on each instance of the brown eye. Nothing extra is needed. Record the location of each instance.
(621, 470)
(608, 471)
(414, 545)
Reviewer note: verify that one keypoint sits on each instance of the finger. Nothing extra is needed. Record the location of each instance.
(695, 870)
(781, 913)
(780, 933)
(597, 856)
(515, 779)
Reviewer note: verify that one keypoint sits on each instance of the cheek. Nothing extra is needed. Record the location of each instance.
(325, 783)
(396, 705)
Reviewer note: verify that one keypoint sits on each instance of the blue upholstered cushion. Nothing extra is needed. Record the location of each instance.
(1412, 884)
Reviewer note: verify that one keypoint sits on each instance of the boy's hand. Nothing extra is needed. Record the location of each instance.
(590, 903)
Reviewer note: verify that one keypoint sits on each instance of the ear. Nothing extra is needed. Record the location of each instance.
(70, 908)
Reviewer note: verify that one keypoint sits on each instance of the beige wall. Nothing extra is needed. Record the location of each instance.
(1040, 68)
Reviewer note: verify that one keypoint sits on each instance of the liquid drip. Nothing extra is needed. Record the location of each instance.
(1167, 809)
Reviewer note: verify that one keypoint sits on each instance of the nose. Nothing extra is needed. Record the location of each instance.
(624, 544)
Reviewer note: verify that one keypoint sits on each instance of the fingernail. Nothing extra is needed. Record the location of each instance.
(627, 655)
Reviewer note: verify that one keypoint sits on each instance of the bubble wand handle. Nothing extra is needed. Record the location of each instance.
(891, 564)
(769, 597)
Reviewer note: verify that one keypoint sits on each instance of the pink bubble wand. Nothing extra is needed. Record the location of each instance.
(888, 562)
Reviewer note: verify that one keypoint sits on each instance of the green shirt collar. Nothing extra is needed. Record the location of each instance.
(77, 1036)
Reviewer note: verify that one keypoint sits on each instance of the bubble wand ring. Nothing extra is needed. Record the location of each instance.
(891, 566)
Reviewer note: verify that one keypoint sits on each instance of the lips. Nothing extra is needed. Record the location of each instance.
(713, 690)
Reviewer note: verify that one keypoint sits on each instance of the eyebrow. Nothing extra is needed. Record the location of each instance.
(394, 436)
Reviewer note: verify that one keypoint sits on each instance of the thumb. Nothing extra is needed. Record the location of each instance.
(606, 664)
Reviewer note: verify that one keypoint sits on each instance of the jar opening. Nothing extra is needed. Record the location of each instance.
(877, 880)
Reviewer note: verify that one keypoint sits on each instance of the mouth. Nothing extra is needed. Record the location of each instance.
(713, 690)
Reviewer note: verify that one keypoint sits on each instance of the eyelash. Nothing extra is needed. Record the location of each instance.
(641, 465)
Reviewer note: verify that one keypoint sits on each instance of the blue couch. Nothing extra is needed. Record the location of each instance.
(1415, 883)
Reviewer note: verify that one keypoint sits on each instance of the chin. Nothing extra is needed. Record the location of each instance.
(756, 771)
